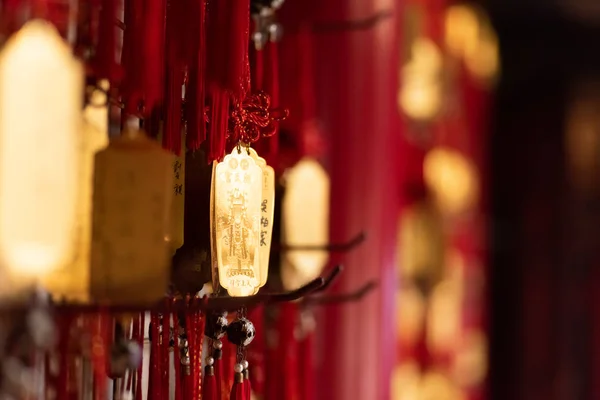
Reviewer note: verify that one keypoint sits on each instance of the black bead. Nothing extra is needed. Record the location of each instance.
(217, 354)
(216, 326)
(241, 332)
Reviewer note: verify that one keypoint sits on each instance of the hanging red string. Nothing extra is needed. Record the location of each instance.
(191, 338)
(105, 64)
(165, 352)
(200, 325)
(140, 370)
(256, 352)
(228, 26)
(178, 25)
(61, 383)
(177, 359)
(155, 381)
(132, 57)
(153, 47)
(289, 349)
(102, 328)
(195, 92)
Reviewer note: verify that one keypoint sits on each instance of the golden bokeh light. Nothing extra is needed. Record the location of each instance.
(471, 38)
(406, 379)
(411, 307)
(420, 94)
(452, 178)
(305, 211)
(420, 241)
(470, 363)
(40, 156)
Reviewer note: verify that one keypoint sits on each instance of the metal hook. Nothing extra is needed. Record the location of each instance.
(332, 247)
(342, 298)
(353, 25)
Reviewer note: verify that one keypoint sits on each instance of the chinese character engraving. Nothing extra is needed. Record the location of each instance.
(179, 189)
(264, 221)
(177, 169)
(263, 206)
(263, 238)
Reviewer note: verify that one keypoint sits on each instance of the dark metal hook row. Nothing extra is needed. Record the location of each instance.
(210, 303)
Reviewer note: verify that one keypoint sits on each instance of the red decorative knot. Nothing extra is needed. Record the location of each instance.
(254, 118)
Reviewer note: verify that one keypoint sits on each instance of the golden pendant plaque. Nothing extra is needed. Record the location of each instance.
(267, 210)
(237, 214)
(133, 192)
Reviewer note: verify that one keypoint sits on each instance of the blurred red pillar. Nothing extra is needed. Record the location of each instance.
(357, 80)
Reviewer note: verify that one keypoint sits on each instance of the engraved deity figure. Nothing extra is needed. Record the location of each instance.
(239, 252)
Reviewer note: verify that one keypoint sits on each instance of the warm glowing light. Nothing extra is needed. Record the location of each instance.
(452, 178)
(583, 138)
(471, 37)
(237, 195)
(73, 281)
(41, 87)
(306, 217)
(133, 191)
(470, 364)
(445, 307)
(406, 380)
(421, 242)
(462, 30)
(420, 96)
(411, 306)
(438, 386)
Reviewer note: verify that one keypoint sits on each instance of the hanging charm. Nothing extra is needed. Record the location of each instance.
(130, 256)
(40, 145)
(241, 332)
(237, 196)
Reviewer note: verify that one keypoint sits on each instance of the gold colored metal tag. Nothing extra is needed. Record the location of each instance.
(40, 146)
(267, 210)
(305, 211)
(237, 206)
(133, 192)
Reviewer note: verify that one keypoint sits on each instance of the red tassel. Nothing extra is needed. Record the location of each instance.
(140, 371)
(172, 127)
(238, 388)
(272, 88)
(227, 38)
(153, 47)
(195, 93)
(209, 384)
(165, 357)
(154, 383)
(105, 63)
(247, 385)
(219, 118)
(131, 60)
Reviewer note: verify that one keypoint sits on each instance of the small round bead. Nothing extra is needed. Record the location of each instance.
(210, 360)
(238, 368)
(275, 32)
(217, 344)
(245, 364)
